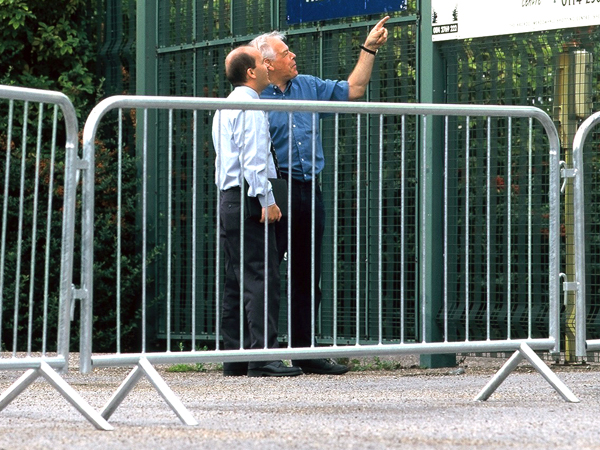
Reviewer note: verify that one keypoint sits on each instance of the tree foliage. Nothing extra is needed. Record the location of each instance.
(52, 46)
(48, 45)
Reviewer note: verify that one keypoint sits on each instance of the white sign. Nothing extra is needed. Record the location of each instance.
(462, 19)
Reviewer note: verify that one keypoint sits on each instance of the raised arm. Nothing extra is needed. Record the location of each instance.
(360, 76)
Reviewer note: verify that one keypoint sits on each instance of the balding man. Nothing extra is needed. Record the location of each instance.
(244, 136)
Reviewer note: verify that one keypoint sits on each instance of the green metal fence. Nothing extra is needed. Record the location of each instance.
(193, 41)
(558, 71)
(181, 46)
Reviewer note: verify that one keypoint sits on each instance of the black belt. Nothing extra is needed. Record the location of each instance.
(232, 189)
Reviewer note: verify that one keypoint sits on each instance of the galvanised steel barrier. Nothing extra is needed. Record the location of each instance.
(583, 345)
(498, 199)
(38, 129)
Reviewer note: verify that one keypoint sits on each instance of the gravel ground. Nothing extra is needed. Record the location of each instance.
(374, 409)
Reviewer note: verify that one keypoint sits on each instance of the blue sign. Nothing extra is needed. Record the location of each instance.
(299, 11)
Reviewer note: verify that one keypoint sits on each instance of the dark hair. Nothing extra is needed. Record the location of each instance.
(236, 71)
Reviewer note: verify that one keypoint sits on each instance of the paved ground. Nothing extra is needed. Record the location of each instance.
(404, 408)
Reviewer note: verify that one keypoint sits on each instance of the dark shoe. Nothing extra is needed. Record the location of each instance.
(274, 369)
(236, 369)
(321, 366)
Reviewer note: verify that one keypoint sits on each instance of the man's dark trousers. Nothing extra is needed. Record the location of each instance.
(254, 279)
(301, 257)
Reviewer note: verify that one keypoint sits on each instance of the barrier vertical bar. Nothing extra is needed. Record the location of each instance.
(423, 227)
(509, 229)
(380, 235)
(529, 225)
(488, 227)
(402, 229)
(289, 232)
(446, 218)
(467, 221)
(169, 228)
(554, 230)
(266, 271)
(242, 238)
(335, 223)
(86, 169)
(194, 223)
(218, 238)
(119, 224)
(20, 232)
(11, 105)
(144, 225)
(36, 191)
(313, 185)
(48, 235)
(358, 218)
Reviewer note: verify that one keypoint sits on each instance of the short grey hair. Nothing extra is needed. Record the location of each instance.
(262, 43)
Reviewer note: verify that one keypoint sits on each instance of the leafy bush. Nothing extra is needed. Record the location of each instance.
(52, 46)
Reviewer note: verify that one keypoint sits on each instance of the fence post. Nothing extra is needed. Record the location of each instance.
(431, 90)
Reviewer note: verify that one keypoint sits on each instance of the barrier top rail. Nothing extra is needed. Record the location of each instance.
(201, 103)
(42, 96)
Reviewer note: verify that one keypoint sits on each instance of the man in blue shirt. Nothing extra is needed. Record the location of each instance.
(286, 84)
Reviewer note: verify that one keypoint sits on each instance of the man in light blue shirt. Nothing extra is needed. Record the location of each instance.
(241, 141)
(286, 84)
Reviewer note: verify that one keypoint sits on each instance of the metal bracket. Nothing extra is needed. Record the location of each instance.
(568, 286)
(77, 294)
(81, 164)
(566, 173)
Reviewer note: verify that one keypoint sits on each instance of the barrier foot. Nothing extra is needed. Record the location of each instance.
(145, 368)
(525, 352)
(61, 386)
(121, 392)
(17, 387)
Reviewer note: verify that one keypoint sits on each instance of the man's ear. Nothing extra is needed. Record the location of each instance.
(250, 73)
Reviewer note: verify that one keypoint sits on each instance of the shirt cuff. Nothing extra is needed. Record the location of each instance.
(268, 200)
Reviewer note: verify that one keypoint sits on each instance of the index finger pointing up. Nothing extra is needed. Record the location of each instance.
(382, 22)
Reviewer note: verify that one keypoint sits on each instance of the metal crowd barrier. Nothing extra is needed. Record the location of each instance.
(484, 208)
(38, 129)
(583, 345)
